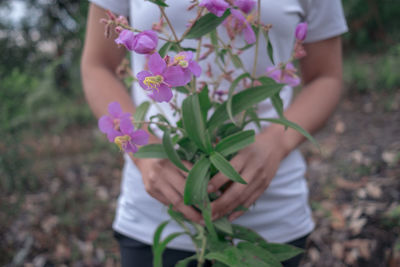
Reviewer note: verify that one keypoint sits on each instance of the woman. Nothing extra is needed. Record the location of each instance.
(272, 167)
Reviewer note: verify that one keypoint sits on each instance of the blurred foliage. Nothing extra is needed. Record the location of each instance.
(373, 24)
(372, 72)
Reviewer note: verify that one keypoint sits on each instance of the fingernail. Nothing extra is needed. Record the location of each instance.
(202, 222)
(210, 188)
(214, 217)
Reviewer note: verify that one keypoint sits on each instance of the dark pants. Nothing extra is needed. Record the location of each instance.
(138, 254)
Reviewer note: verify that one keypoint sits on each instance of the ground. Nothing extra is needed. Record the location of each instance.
(64, 217)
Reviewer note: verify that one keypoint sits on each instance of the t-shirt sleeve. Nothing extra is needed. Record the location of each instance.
(119, 7)
(325, 19)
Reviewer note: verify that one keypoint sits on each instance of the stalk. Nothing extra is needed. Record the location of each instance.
(257, 38)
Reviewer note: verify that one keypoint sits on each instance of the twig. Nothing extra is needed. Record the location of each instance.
(257, 38)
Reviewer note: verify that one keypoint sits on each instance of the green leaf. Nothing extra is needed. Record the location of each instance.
(294, 126)
(247, 234)
(196, 183)
(225, 167)
(282, 252)
(270, 49)
(165, 48)
(140, 113)
(176, 215)
(242, 101)
(182, 89)
(214, 38)
(158, 251)
(206, 213)
(253, 252)
(235, 142)
(171, 152)
(278, 104)
(193, 123)
(237, 62)
(230, 257)
(185, 262)
(230, 93)
(206, 24)
(224, 225)
(157, 234)
(275, 99)
(151, 151)
(205, 103)
(159, 2)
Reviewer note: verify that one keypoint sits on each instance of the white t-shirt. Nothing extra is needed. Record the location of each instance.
(282, 213)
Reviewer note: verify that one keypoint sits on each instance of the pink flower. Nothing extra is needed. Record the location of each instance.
(129, 139)
(284, 74)
(245, 5)
(142, 43)
(189, 66)
(109, 124)
(248, 32)
(160, 78)
(301, 31)
(217, 7)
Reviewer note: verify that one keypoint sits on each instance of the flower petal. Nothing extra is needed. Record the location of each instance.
(126, 38)
(129, 147)
(249, 34)
(162, 94)
(111, 134)
(140, 137)
(141, 76)
(156, 64)
(173, 76)
(195, 68)
(126, 126)
(245, 5)
(115, 110)
(105, 123)
(238, 15)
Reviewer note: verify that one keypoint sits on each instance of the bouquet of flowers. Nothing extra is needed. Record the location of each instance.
(210, 128)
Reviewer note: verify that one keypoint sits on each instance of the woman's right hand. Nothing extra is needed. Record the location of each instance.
(166, 183)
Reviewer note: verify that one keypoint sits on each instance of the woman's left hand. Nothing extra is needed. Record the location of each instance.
(257, 164)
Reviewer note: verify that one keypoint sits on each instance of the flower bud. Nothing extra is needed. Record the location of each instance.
(145, 42)
(142, 43)
(301, 31)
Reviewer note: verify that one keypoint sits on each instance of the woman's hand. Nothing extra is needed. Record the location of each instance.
(166, 183)
(257, 164)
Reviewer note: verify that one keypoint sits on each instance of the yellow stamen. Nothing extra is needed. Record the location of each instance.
(183, 63)
(121, 140)
(153, 81)
(181, 60)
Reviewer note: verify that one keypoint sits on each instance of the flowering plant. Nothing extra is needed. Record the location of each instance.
(210, 128)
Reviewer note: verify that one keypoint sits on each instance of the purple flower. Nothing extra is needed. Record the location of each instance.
(142, 43)
(159, 78)
(245, 5)
(301, 31)
(110, 124)
(130, 138)
(189, 66)
(248, 32)
(286, 75)
(217, 7)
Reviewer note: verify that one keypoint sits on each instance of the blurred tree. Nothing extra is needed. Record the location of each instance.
(374, 24)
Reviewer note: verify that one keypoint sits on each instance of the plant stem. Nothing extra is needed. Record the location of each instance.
(169, 24)
(200, 260)
(253, 74)
(200, 11)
